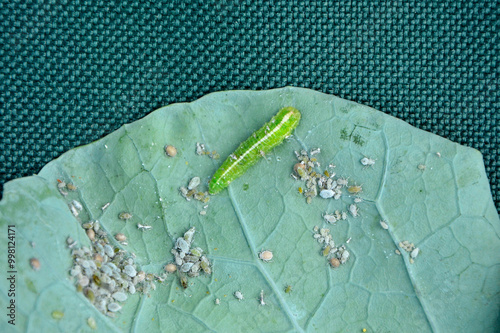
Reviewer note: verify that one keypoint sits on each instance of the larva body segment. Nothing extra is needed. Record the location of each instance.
(259, 143)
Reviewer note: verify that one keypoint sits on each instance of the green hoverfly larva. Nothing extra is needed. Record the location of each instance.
(258, 144)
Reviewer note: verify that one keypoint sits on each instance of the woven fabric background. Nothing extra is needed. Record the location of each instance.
(74, 71)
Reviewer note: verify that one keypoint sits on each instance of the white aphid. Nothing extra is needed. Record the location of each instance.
(109, 251)
(194, 182)
(182, 245)
(384, 225)
(186, 267)
(77, 205)
(217, 301)
(353, 209)
(358, 200)
(143, 227)
(344, 257)
(315, 151)
(326, 194)
(415, 253)
(261, 298)
(120, 296)
(114, 307)
(200, 148)
(342, 182)
(330, 218)
(366, 161)
(129, 270)
(266, 255)
(73, 210)
(188, 235)
(238, 295)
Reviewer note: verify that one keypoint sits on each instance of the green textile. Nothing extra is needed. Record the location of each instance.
(74, 71)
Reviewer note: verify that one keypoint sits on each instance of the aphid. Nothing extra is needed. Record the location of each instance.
(188, 235)
(35, 264)
(197, 252)
(326, 194)
(71, 187)
(205, 265)
(326, 250)
(384, 225)
(71, 243)
(143, 227)
(73, 210)
(355, 189)
(57, 314)
(248, 153)
(125, 216)
(288, 289)
(421, 167)
(120, 237)
(170, 150)
(186, 267)
(119, 296)
(114, 307)
(266, 255)
(200, 149)
(315, 151)
(193, 183)
(238, 295)
(92, 323)
(182, 245)
(91, 234)
(139, 277)
(60, 184)
(129, 270)
(334, 262)
(345, 256)
(261, 298)
(330, 218)
(131, 289)
(358, 200)
(366, 161)
(342, 182)
(353, 209)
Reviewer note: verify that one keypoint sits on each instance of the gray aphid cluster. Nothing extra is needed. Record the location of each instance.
(329, 249)
(189, 260)
(191, 192)
(325, 184)
(106, 275)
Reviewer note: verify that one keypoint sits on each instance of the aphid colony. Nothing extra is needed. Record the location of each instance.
(191, 192)
(410, 248)
(337, 254)
(200, 150)
(323, 183)
(188, 261)
(105, 274)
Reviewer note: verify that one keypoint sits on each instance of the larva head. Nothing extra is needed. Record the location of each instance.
(290, 115)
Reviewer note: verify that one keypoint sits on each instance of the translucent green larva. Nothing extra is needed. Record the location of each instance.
(248, 153)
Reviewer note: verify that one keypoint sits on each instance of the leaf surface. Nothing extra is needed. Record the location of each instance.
(446, 210)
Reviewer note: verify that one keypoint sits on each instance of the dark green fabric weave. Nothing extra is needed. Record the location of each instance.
(74, 71)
